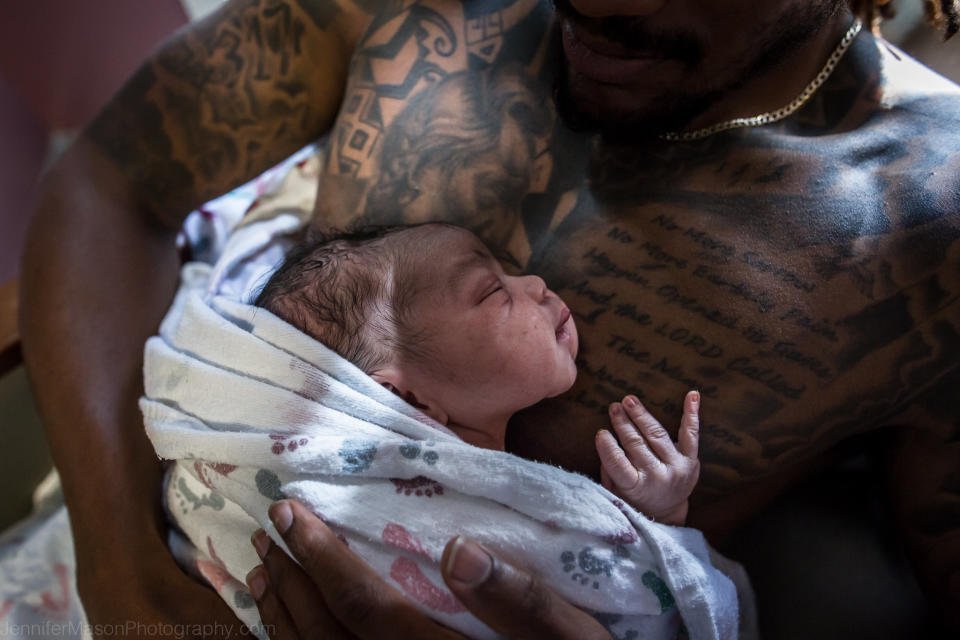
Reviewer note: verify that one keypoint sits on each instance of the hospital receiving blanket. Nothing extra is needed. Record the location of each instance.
(252, 410)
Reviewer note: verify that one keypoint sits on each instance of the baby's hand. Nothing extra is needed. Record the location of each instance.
(650, 472)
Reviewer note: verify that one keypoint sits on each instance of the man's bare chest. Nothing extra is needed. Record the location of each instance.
(765, 275)
(782, 329)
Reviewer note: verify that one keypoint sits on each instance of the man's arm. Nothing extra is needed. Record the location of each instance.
(217, 103)
(925, 487)
(226, 98)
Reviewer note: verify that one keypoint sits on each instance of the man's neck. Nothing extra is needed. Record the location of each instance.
(779, 85)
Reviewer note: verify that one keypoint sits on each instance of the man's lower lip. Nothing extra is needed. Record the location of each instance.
(600, 67)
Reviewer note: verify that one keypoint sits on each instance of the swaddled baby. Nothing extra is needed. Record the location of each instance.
(428, 312)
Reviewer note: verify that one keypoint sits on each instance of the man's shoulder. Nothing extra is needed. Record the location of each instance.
(916, 122)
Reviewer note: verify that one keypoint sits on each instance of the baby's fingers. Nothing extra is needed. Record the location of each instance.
(656, 436)
(689, 437)
(605, 478)
(634, 444)
(615, 464)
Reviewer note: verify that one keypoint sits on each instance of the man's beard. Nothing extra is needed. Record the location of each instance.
(675, 107)
(668, 112)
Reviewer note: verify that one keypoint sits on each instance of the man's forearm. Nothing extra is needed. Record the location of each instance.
(96, 280)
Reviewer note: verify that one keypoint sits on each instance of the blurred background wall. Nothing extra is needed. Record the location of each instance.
(59, 61)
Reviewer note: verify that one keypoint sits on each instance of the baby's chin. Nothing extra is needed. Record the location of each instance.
(566, 387)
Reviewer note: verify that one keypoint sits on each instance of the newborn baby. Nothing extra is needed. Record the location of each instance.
(428, 312)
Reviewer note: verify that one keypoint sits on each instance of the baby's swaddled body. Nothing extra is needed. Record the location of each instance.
(427, 312)
(448, 347)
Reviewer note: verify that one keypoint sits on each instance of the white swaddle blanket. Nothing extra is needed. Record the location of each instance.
(253, 410)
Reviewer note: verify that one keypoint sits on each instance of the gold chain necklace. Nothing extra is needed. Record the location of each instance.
(782, 112)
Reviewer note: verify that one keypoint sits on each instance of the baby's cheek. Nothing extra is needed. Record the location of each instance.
(495, 363)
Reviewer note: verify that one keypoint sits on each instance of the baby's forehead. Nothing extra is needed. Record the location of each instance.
(438, 246)
(444, 237)
(437, 256)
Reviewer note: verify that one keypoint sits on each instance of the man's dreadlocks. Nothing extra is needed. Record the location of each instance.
(941, 14)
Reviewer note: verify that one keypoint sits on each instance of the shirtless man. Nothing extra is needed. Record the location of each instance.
(802, 275)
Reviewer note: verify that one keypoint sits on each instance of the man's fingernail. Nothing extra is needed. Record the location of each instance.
(468, 562)
(260, 542)
(257, 582)
(281, 516)
(630, 401)
(695, 399)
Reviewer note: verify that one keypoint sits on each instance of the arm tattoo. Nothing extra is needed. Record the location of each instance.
(443, 116)
(217, 103)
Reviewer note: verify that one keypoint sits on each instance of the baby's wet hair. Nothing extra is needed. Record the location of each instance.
(353, 291)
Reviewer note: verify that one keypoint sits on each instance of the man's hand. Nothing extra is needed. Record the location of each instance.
(334, 594)
(650, 472)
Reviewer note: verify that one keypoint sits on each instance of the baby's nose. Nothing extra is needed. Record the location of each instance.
(536, 287)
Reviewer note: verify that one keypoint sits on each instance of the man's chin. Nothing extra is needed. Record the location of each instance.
(620, 115)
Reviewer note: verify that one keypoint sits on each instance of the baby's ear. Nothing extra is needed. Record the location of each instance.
(426, 406)
(393, 380)
(389, 387)
(387, 378)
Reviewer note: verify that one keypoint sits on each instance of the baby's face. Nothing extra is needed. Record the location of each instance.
(497, 343)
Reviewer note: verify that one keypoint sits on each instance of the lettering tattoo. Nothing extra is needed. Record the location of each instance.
(777, 254)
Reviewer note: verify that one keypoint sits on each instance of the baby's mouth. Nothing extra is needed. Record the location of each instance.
(561, 330)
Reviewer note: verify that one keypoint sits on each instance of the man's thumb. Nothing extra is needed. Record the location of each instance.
(511, 601)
